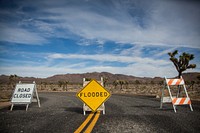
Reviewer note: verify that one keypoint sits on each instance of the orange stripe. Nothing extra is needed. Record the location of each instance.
(189, 102)
(178, 81)
(174, 100)
(170, 81)
(182, 101)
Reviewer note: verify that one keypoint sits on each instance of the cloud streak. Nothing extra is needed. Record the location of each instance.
(132, 22)
(22, 36)
(155, 27)
(44, 71)
(108, 58)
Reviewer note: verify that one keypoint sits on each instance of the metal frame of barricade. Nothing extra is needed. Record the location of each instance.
(175, 100)
(85, 107)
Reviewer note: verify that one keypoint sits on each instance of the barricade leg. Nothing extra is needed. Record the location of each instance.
(103, 109)
(11, 107)
(83, 112)
(162, 95)
(191, 107)
(161, 103)
(37, 97)
(27, 107)
(174, 108)
(187, 97)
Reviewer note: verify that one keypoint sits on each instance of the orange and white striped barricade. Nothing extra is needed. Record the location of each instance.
(85, 107)
(175, 100)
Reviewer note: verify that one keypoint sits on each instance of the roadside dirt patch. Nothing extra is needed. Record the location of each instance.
(4, 104)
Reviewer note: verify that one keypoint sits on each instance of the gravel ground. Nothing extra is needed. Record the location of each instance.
(61, 112)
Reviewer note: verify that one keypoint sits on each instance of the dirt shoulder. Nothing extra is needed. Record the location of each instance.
(4, 104)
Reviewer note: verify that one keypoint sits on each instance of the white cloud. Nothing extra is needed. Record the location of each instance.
(165, 52)
(87, 42)
(172, 23)
(134, 51)
(108, 58)
(20, 35)
(138, 69)
(33, 71)
(165, 23)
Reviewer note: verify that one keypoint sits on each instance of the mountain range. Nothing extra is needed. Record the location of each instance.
(78, 78)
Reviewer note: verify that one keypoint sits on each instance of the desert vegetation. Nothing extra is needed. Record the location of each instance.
(114, 83)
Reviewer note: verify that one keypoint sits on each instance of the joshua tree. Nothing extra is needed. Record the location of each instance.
(60, 83)
(45, 84)
(126, 83)
(137, 82)
(121, 82)
(182, 63)
(65, 84)
(115, 83)
(12, 80)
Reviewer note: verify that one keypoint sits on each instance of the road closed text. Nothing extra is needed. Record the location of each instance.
(25, 95)
(93, 94)
(22, 93)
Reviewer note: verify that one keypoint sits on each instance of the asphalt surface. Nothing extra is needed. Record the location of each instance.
(62, 113)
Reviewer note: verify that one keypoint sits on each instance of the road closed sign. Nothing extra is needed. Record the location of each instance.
(93, 95)
(23, 94)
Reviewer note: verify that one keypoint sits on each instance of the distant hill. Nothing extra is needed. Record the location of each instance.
(78, 78)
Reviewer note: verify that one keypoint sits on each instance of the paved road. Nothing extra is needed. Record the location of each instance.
(62, 113)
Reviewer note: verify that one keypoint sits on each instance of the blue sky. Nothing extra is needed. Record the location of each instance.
(41, 38)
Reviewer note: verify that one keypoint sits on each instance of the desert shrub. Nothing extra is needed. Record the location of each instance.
(5, 95)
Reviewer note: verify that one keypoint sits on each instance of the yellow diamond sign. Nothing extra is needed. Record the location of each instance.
(93, 95)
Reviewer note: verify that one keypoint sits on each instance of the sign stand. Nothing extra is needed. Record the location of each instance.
(23, 94)
(85, 107)
(93, 95)
(175, 100)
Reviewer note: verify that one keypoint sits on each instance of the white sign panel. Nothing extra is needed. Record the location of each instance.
(23, 93)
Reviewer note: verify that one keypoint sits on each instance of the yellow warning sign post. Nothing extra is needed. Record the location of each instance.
(93, 95)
